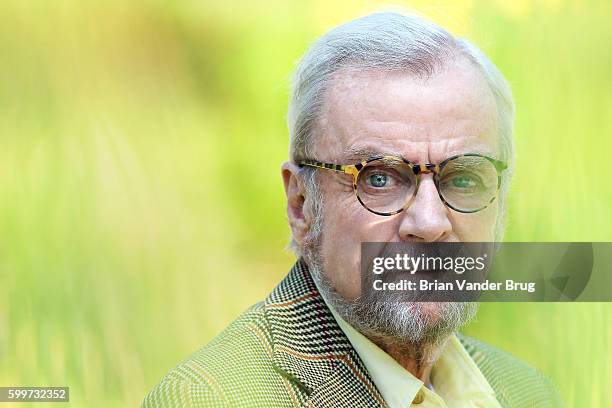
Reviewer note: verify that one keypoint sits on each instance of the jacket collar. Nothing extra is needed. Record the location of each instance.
(310, 348)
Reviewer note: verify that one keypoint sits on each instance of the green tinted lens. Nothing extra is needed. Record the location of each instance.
(469, 183)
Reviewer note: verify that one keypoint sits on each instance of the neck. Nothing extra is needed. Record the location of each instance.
(417, 359)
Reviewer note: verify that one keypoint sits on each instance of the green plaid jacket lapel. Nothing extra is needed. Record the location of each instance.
(310, 348)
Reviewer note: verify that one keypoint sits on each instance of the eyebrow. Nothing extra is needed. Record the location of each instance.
(357, 154)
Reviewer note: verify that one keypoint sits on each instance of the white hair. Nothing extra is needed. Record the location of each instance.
(395, 42)
(386, 41)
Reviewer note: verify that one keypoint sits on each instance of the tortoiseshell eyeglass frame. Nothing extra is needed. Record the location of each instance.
(417, 169)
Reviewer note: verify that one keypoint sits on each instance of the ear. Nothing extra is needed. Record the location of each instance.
(294, 190)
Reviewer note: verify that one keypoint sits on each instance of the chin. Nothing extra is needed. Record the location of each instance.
(431, 311)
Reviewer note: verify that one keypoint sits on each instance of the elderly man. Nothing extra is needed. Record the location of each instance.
(392, 122)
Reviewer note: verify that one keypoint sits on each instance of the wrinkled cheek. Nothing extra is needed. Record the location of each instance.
(341, 253)
(476, 227)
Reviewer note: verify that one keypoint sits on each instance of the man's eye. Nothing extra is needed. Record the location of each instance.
(464, 182)
(379, 180)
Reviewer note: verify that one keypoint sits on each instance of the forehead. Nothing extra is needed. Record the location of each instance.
(422, 119)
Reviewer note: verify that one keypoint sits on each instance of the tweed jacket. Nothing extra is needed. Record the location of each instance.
(288, 351)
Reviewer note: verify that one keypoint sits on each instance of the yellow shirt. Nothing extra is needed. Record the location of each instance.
(456, 380)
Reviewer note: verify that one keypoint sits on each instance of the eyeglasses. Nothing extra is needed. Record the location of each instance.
(386, 185)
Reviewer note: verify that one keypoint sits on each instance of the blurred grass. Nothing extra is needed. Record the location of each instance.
(141, 207)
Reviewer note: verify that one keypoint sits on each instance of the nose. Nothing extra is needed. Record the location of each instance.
(427, 218)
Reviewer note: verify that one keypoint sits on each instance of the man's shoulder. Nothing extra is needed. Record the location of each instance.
(516, 384)
(236, 363)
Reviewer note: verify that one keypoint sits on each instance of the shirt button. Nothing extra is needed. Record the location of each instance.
(419, 398)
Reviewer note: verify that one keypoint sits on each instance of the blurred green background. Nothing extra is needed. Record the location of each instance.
(141, 204)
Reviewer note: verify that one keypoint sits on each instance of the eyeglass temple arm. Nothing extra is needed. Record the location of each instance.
(348, 169)
(499, 165)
